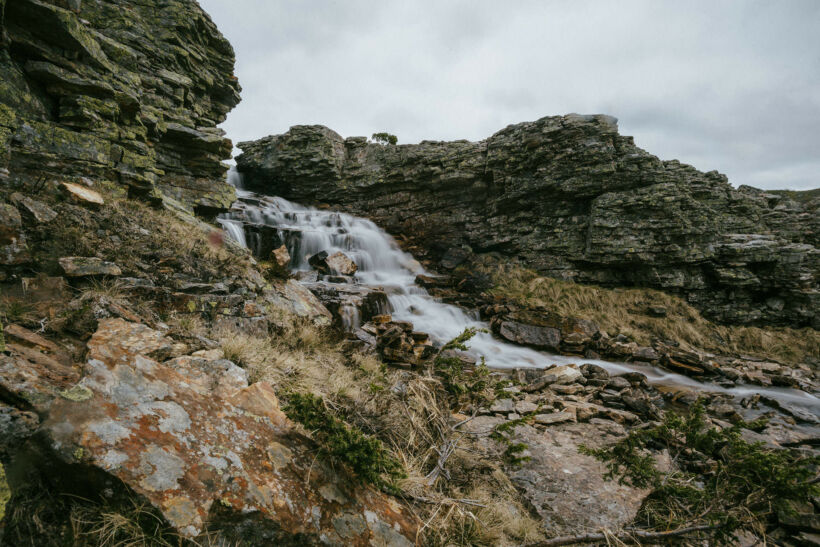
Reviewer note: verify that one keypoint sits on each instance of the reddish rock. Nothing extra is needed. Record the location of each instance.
(204, 460)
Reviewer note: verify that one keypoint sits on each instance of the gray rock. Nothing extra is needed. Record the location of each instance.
(539, 337)
(554, 418)
(572, 198)
(78, 266)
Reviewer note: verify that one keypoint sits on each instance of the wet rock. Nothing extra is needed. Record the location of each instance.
(280, 261)
(83, 195)
(618, 383)
(78, 266)
(530, 335)
(142, 424)
(645, 354)
(453, 257)
(596, 372)
(340, 263)
(337, 263)
(431, 282)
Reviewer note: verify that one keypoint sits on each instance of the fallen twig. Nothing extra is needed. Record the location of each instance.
(630, 535)
(433, 501)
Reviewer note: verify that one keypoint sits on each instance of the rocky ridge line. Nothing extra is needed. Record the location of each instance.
(572, 198)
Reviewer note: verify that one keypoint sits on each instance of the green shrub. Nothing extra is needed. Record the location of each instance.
(385, 138)
(365, 455)
(503, 433)
(722, 480)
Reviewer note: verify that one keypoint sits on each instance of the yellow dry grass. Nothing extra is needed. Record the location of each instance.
(410, 413)
(623, 311)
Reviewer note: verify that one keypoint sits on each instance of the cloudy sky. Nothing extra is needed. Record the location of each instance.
(727, 85)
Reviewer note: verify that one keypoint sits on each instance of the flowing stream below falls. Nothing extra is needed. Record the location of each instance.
(383, 265)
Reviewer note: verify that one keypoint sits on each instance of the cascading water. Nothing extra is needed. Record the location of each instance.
(383, 265)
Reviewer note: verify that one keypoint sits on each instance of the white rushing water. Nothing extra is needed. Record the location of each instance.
(383, 265)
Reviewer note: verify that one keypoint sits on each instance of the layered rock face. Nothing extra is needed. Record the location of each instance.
(114, 91)
(572, 198)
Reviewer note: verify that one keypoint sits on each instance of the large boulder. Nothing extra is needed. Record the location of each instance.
(207, 455)
(338, 263)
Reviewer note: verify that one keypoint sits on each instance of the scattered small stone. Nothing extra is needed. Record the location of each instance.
(525, 407)
(280, 261)
(618, 383)
(503, 406)
(38, 210)
(569, 389)
(657, 311)
(555, 417)
(77, 266)
(82, 194)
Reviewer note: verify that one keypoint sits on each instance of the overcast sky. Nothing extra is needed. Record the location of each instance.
(726, 85)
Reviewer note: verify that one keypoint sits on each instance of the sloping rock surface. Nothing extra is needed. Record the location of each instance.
(116, 91)
(572, 198)
(191, 438)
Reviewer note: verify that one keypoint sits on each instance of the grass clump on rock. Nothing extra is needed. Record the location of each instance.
(623, 311)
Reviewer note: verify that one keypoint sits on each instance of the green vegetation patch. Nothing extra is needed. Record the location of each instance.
(365, 455)
(721, 480)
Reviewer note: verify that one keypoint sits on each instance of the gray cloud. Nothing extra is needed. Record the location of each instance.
(731, 85)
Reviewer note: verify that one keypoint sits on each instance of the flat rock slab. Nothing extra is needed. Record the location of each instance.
(79, 266)
(82, 194)
(38, 210)
(567, 488)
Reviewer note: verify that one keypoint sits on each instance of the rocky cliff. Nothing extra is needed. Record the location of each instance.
(112, 91)
(572, 198)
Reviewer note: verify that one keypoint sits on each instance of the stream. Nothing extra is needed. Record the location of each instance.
(382, 265)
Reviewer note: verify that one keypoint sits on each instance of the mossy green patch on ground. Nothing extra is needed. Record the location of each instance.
(5, 492)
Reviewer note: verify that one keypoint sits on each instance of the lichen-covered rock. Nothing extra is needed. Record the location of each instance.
(13, 248)
(116, 92)
(570, 197)
(79, 266)
(207, 457)
(293, 297)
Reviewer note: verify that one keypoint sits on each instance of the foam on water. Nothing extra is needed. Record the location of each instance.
(382, 264)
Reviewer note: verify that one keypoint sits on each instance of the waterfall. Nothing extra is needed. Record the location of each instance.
(384, 266)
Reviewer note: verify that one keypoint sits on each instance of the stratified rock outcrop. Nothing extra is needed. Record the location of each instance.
(128, 93)
(572, 198)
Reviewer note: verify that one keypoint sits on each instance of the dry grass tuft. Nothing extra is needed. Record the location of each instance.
(623, 311)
